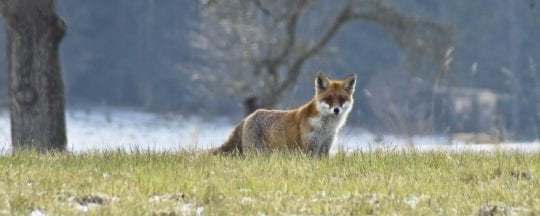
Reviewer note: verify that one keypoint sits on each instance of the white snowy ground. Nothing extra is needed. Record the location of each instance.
(106, 129)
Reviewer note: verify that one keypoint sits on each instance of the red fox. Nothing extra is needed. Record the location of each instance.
(312, 128)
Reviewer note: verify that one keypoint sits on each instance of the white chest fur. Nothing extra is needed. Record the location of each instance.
(323, 131)
(323, 128)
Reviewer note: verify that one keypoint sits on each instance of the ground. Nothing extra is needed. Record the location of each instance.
(189, 183)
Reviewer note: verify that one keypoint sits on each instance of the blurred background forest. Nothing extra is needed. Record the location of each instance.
(424, 67)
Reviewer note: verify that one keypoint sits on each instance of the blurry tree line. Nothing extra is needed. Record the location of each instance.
(424, 66)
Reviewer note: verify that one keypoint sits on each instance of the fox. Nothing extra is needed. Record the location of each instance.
(311, 128)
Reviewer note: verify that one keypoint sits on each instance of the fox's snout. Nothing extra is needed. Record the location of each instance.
(337, 110)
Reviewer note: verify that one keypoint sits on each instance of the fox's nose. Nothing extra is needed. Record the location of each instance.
(337, 110)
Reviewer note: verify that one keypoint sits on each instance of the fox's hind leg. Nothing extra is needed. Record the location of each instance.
(253, 137)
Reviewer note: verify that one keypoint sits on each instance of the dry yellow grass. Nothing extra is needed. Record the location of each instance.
(182, 183)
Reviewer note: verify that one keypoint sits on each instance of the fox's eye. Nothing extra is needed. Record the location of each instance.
(342, 100)
(327, 100)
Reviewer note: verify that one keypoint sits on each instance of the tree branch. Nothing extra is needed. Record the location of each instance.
(291, 34)
(2, 7)
(342, 18)
(264, 10)
(294, 68)
(273, 63)
(419, 38)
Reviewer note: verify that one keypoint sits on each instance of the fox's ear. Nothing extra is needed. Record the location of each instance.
(321, 82)
(349, 83)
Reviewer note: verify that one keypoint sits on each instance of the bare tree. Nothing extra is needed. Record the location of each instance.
(259, 48)
(36, 88)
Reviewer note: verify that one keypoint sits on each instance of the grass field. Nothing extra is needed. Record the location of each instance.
(407, 183)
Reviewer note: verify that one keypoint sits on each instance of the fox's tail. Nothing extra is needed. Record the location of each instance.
(234, 142)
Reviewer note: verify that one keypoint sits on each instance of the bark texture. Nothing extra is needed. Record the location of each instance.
(36, 88)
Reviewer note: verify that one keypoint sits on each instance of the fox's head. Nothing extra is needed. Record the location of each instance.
(334, 97)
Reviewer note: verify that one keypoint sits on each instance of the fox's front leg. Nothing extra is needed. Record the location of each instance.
(311, 147)
(319, 148)
(325, 147)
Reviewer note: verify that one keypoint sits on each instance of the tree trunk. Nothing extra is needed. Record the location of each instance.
(36, 88)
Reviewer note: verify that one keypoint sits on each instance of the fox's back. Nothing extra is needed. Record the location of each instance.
(272, 129)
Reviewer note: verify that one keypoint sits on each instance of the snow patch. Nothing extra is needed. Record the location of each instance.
(37, 212)
(99, 129)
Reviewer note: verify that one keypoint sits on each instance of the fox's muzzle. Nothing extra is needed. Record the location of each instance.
(337, 110)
